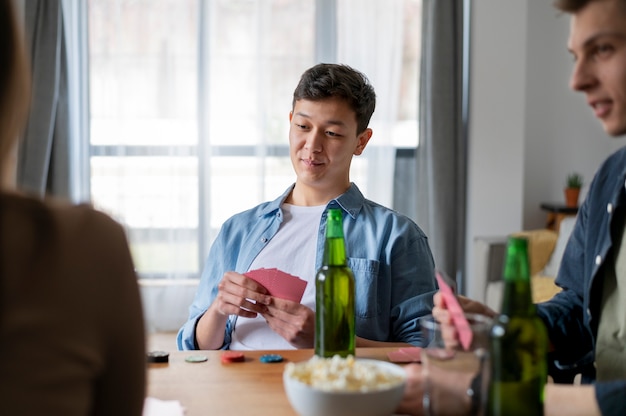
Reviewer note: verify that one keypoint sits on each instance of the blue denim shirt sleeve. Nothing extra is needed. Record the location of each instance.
(216, 265)
(610, 397)
(564, 314)
(413, 292)
(572, 316)
(240, 239)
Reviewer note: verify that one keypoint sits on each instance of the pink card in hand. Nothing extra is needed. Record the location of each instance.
(279, 284)
(456, 312)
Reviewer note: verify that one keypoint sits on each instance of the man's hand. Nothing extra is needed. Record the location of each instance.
(236, 295)
(442, 315)
(447, 391)
(411, 403)
(240, 295)
(292, 321)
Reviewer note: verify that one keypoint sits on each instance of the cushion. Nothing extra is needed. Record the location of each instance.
(565, 230)
(541, 243)
(543, 288)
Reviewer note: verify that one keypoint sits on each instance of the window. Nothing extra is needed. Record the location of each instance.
(189, 104)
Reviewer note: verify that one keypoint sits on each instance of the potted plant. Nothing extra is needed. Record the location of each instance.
(572, 189)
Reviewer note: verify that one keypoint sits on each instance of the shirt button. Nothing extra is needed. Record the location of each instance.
(264, 240)
(588, 311)
(598, 260)
(609, 208)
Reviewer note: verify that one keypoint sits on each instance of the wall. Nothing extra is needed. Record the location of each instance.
(527, 130)
(496, 123)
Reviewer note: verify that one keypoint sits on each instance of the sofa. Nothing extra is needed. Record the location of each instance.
(545, 250)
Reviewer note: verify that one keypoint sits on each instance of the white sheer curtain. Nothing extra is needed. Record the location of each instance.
(370, 38)
(143, 140)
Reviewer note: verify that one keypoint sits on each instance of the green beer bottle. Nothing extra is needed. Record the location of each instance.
(334, 295)
(519, 342)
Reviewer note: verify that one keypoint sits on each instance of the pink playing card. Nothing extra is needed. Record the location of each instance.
(456, 312)
(279, 284)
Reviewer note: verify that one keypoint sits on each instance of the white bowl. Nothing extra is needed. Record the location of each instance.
(375, 401)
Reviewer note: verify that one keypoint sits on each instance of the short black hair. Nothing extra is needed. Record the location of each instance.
(570, 6)
(574, 6)
(336, 80)
(14, 80)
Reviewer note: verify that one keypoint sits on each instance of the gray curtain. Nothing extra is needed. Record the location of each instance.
(438, 167)
(43, 164)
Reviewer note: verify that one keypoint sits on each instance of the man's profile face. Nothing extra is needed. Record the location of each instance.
(598, 43)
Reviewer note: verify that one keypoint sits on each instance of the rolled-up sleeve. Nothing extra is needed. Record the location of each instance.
(610, 397)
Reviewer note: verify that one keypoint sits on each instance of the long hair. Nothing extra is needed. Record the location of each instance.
(14, 82)
(14, 105)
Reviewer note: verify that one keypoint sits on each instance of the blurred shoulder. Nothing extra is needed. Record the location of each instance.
(81, 217)
(54, 218)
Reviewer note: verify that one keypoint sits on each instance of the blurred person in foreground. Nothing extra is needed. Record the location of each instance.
(586, 321)
(72, 338)
(387, 252)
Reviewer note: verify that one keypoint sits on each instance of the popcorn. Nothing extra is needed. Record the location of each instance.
(342, 374)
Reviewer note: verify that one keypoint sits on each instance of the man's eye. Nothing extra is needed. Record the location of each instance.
(602, 50)
(333, 134)
(300, 126)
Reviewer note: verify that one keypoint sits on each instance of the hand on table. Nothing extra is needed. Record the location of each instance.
(448, 393)
(411, 403)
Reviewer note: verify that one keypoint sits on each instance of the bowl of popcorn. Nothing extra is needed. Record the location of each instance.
(344, 386)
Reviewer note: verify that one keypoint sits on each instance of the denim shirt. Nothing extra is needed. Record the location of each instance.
(387, 252)
(572, 316)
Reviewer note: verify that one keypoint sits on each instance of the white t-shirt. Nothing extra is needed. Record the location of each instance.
(293, 251)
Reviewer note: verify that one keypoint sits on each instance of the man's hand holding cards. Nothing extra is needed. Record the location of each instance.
(278, 283)
(456, 312)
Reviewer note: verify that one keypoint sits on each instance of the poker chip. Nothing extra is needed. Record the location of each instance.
(271, 358)
(232, 357)
(157, 357)
(196, 358)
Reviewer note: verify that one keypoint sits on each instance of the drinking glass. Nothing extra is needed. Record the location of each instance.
(456, 380)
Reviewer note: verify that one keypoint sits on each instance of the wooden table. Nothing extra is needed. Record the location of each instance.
(248, 388)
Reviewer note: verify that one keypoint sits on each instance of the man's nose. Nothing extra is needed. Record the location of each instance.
(582, 77)
(314, 141)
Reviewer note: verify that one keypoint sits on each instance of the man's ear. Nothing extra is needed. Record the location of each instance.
(290, 116)
(363, 139)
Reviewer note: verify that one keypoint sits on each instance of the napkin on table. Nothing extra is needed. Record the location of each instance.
(157, 407)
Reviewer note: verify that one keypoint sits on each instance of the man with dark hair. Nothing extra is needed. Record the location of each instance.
(587, 320)
(387, 252)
